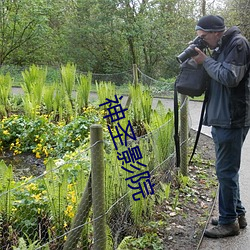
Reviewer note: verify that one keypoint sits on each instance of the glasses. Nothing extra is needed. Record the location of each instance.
(203, 36)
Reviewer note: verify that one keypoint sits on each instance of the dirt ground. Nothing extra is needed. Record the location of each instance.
(187, 222)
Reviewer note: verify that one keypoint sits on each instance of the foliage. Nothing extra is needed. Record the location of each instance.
(22, 23)
(5, 90)
(141, 103)
(6, 184)
(236, 13)
(106, 36)
(105, 90)
(43, 137)
(34, 81)
(46, 205)
(30, 204)
(68, 74)
(83, 91)
(22, 245)
(161, 126)
(147, 241)
(51, 200)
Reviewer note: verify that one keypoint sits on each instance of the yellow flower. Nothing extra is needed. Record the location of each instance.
(38, 155)
(31, 187)
(45, 151)
(14, 209)
(69, 211)
(6, 132)
(37, 196)
(73, 199)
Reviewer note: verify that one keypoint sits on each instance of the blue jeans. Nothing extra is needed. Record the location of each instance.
(228, 145)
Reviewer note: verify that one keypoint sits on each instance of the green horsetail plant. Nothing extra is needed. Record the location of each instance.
(68, 74)
(161, 127)
(141, 103)
(62, 106)
(33, 85)
(6, 184)
(48, 98)
(116, 185)
(146, 105)
(58, 102)
(83, 91)
(5, 90)
(56, 184)
(105, 90)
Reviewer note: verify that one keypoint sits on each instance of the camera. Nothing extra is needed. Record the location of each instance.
(190, 51)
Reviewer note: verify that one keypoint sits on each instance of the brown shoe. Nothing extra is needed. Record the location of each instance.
(221, 231)
(241, 219)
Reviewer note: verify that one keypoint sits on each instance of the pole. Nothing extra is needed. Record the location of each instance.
(98, 194)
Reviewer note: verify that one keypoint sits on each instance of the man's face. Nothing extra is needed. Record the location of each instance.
(211, 38)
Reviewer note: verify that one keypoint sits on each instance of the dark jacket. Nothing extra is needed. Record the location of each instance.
(229, 90)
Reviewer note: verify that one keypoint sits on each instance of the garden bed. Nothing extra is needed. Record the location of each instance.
(187, 223)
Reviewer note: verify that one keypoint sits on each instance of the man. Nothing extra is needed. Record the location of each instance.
(228, 112)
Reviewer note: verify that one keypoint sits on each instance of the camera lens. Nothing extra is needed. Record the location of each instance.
(187, 53)
(190, 51)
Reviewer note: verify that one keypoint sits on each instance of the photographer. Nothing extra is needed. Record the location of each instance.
(228, 112)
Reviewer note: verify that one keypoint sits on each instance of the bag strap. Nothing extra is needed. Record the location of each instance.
(199, 127)
(176, 126)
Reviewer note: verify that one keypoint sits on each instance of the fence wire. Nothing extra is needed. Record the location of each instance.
(45, 210)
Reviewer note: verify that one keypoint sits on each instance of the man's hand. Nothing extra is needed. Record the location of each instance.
(200, 58)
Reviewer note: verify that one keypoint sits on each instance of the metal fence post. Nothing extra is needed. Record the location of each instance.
(184, 135)
(98, 194)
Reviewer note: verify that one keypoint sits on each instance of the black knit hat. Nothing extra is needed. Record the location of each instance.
(211, 23)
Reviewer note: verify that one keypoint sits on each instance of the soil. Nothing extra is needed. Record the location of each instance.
(25, 164)
(187, 222)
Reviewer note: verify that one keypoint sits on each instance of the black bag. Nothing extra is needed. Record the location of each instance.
(192, 80)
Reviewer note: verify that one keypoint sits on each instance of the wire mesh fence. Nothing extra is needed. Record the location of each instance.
(60, 208)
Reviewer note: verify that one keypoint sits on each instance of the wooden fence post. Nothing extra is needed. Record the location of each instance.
(184, 135)
(135, 82)
(135, 74)
(98, 191)
(80, 218)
